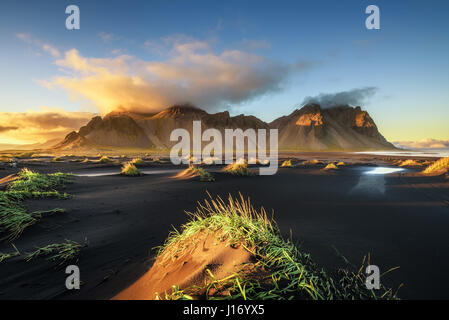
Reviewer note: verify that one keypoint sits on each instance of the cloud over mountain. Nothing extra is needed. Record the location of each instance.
(354, 97)
(192, 72)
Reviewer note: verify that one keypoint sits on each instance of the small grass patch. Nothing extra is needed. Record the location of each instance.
(62, 252)
(204, 175)
(238, 169)
(310, 162)
(137, 161)
(330, 166)
(34, 183)
(279, 270)
(57, 159)
(287, 164)
(131, 170)
(105, 159)
(340, 163)
(14, 218)
(409, 163)
(441, 164)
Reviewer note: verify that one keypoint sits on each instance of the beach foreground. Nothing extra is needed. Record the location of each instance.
(399, 218)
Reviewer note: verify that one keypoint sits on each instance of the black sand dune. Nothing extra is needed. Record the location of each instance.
(402, 221)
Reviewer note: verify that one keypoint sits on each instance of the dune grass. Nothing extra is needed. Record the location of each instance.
(14, 218)
(409, 163)
(238, 169)
(137, 161)
(330, 166)
(340, 163)
(441, 164)
(129, 169)
(279, 270)
(310, 162)
(56, 159)
(287, 164)
(105, 159)
(37, 185)
(62, 252)
(204, 175)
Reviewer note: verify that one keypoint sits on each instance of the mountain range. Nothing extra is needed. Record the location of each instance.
(308, 128)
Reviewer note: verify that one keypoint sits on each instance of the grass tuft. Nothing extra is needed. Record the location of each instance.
(105, 159)
(287, 164)
(330, 166)
(14, 218)
(441, 164)
(130, 169)
(137, 161)
(279, 269)
(204, 175)
(63, 252)
(30, 182)
(238, 169)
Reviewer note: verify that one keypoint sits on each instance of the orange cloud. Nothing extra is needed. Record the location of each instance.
(191, 73)
(39, 126)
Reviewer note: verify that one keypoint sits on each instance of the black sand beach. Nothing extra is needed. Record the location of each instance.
(400, 219)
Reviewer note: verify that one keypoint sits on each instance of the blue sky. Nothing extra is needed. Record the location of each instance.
(406, 60)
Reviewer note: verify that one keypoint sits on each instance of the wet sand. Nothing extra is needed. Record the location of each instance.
(400, 219)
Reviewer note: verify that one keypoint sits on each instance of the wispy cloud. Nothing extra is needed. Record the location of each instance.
(256, 44)
(107, 37)
(28, 38)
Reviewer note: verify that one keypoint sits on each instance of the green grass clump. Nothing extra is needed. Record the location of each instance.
(56, 159)
(441, 164)
(14, 218)
(105, 159)
(130, 169)
(63, 252)
(137, 161)
(238, 169)
(37, 184)
(279, 269)
(204, 175)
